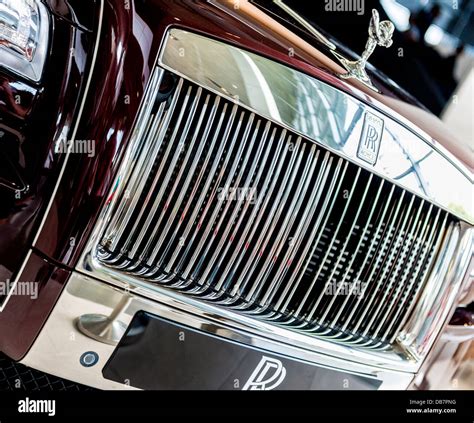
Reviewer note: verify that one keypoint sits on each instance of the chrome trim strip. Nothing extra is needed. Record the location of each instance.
(342, 113)
(4, 303)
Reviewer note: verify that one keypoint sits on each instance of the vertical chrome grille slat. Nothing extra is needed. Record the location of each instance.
(204, 246)
(210, 199)
(144, 121)
(419, 248)
(236, 206)
(389, 277)
(272, 220)
(407, 251)
(298, 311)
(317, 222)
(350, 234)
(356, 252)
(372, 247)
(183, 185)
(259, 208)
(192, 195)
(256, 251)
(302, 228)
(370, 280)
(204, 191)
(311, 311)
(421, 276)
(136, 181)
(179, 142)
(231, 239)
(285, 228)
(282, 304)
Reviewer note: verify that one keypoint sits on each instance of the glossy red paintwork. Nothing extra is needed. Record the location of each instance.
(17, 99)
(45, 113)
(21, 321)
(79, 13)
(128, 47)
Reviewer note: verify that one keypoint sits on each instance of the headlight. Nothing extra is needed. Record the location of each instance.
(24, 29)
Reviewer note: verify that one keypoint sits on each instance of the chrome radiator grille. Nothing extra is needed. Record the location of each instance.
(233, 209)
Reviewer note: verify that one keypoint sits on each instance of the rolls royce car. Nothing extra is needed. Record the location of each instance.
(221, 195)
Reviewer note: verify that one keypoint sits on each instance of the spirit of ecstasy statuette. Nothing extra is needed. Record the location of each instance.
(380, 34)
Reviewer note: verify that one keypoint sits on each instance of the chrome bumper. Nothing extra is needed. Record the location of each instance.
(60, 345)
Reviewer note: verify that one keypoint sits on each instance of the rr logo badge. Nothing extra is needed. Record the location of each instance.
(268, 374)
(370, 139)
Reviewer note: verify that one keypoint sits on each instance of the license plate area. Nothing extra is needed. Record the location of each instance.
(157, 354)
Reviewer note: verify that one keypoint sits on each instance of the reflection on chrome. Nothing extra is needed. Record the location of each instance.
(321, 113)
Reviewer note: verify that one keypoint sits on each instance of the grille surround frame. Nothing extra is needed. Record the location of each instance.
(249, 267)
(92, 265)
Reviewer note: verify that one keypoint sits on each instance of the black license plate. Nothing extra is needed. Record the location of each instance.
(158, 354)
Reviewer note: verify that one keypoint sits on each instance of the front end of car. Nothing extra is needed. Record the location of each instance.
(216, 207)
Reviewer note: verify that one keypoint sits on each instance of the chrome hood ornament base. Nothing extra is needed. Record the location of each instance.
(380, 34)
